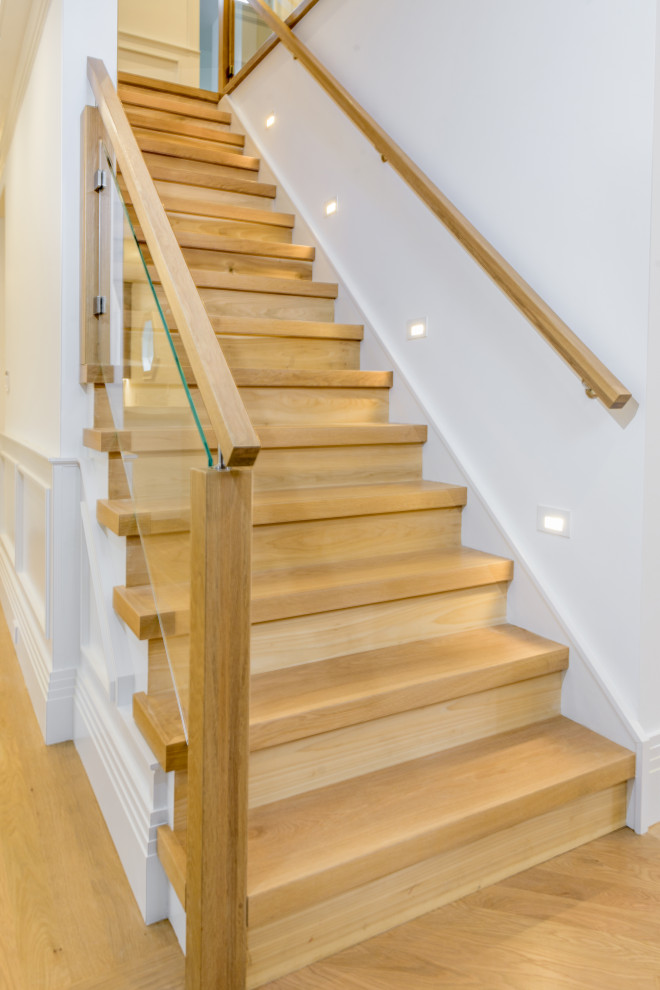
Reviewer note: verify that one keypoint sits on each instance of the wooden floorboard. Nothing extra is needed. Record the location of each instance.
(587, 920)
(67, 916)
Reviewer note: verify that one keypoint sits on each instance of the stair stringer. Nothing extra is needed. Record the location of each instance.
(588, 696)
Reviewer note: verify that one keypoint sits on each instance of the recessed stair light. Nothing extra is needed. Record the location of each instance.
(557, 522)
(270, 120)
(416, 329)
(331, 207)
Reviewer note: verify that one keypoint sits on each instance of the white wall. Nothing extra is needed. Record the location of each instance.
(33, 264)
(537, 120)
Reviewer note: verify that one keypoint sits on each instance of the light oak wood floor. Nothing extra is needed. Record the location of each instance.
(68, 920)
(588, 920)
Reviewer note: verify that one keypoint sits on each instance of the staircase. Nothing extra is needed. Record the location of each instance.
(406, 742)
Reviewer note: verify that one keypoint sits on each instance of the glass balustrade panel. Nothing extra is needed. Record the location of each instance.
(162, 433)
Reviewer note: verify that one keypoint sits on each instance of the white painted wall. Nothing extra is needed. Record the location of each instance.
(537, 120)
(33, 264)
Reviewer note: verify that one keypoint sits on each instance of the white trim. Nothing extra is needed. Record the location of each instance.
(646, 795)
(51, 691)
(129, 785)
(139, 43)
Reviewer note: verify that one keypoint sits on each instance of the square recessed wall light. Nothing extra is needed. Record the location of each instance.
(331, 207)
(416, 329)
(557, 522)
(270, 120)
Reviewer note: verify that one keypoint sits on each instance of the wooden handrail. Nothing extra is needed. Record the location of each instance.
(237, 440)
(229, 81)
(596, 377)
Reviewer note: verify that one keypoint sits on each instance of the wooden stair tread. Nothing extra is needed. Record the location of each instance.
(287, 505)
(159, 720)
(173, 515)
(192, 148)
(311, 378)
(189, 171)
(312, 698)
(208, 279)
(336, 838)
(239, 245)
(181, 103)
(261, 326)
(177, 123)
(125, 517)
(162, 86)
(180, 198)
(289, 592)
(151, 439)
(309, 699)
(313, 846)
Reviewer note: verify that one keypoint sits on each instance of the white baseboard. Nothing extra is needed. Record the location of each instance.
(646, 793)
(129, 785)
(51, 691)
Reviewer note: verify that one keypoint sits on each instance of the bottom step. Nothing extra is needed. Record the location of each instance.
(301, 939)
(331, 867)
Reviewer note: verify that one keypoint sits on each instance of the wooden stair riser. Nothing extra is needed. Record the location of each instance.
(186, 196)
(297, 544)
(125, 517)
(423, 616)
(269, 406)
(171, 103)
(284, 352)
(249, 191)
(167, 476)
(173, 123)
(304, 765)
(309, 542)
(206, 97)
(198, 149)
(294, 704)
(137, 570)
(246, 264)
(299, 939)
(321, 759)
(251, 230)
(241, 263)
(222, 303)
(316, 467)
(163, 661)
(287, 642)
(229, 177)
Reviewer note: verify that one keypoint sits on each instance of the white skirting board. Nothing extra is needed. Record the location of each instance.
(130, 788)
(646, 792)
(51, 691)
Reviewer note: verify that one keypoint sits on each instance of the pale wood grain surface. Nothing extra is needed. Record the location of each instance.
(224, 406)
(586, 920)
(320, 843)
(216, 865)
(67, 916)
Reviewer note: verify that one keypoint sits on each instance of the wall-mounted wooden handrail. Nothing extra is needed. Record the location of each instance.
(596, 377)
(237, 440)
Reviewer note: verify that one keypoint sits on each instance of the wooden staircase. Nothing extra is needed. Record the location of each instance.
(406, 742)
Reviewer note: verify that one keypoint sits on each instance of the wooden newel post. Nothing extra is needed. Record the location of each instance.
(216, 894)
